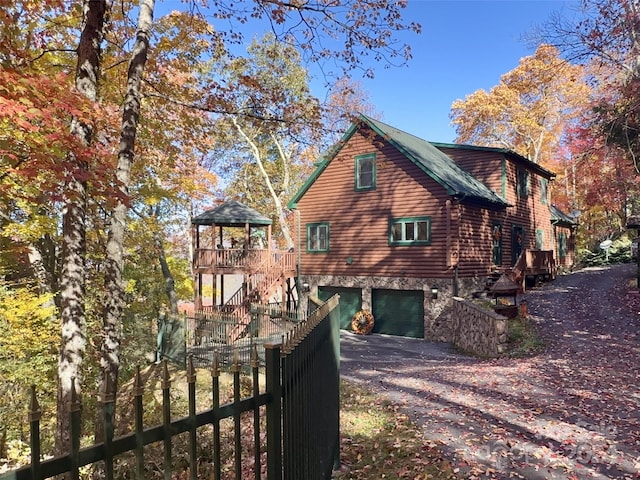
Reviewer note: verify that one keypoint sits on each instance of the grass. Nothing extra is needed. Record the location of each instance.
(379, 441)
(524, 338)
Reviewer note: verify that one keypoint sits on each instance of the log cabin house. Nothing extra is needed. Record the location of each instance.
(397, 226)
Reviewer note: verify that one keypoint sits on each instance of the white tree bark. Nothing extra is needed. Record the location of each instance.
(72, 284)
(277, 201)
(115, 299)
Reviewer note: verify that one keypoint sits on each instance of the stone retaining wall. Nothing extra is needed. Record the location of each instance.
(477, 330)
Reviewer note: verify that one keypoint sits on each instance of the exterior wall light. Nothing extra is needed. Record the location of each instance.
(434, 292)
(305, 287)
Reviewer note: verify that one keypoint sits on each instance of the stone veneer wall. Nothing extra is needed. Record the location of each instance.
(437, 313)
(478, 330)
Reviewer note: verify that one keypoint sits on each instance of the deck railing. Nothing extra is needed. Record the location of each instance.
(245, 259)
(206, 332)
(301, 417)
(533, 262)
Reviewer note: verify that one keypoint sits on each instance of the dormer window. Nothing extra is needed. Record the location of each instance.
(365, 170)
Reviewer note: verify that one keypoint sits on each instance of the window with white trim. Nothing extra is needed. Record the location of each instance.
(410, 231)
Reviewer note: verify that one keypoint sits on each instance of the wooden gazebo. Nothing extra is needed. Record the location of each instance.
(233, 239)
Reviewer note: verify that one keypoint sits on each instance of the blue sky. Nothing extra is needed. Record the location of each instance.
(464, 46)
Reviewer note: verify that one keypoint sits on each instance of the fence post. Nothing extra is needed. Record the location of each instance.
(34, 424)
(76, 423)
(138, 411)
(191, 383)
(215, 392)
(274, 410)
(237, 434)
(108, 406)
(255, 365)
(166, 417)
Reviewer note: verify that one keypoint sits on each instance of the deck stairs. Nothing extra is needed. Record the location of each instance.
(257, 288)
(538, 264)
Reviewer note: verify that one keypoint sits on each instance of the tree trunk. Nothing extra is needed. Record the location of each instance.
(72, 284)
(284, 226)
(115, 300)
(169, 282)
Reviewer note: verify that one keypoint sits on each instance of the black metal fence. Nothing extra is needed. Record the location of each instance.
(300, 412)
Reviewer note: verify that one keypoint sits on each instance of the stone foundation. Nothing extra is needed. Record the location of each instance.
(437, 313)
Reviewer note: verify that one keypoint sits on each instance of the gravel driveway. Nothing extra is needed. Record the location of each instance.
(571, 412)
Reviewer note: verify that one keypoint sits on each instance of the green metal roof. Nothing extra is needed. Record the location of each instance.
(232, 214)
(559, 217)
(429, 159)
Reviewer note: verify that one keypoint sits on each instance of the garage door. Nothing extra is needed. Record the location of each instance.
(398, 312)
(350, 302)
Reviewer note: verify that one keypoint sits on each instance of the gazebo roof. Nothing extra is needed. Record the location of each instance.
(232, 214)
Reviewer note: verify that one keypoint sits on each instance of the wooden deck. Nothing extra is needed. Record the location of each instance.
(536, 264)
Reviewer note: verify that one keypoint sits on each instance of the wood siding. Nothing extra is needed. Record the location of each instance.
(568, 260)
(359, 220)
(484, 166)
(499, 172)
(461, 234)
(476, 246)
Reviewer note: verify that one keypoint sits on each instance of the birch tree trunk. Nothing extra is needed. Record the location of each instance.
(72, 283)
(115, 299)
(277, 201)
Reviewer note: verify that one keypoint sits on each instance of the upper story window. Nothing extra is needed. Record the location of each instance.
(522, 187)
(318, 237)
(544, 190)
(365, 169)
(410, 231)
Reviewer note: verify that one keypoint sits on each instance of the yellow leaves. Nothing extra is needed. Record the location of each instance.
(528, 110)
(28, 324)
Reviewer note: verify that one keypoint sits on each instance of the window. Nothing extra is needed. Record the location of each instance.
(522, 186)
(365, 169)
(539, 239)
(318, 237)
(410, 231)
(562, 245)
(544, 190)
(496, 243)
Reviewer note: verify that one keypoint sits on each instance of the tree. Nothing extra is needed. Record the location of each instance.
(599, 183)
(346, 99)
(72, 284)
(605, 36)
(528, 110)
(28, 345)
(277, 119)
(58, 148)
(114, 260)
